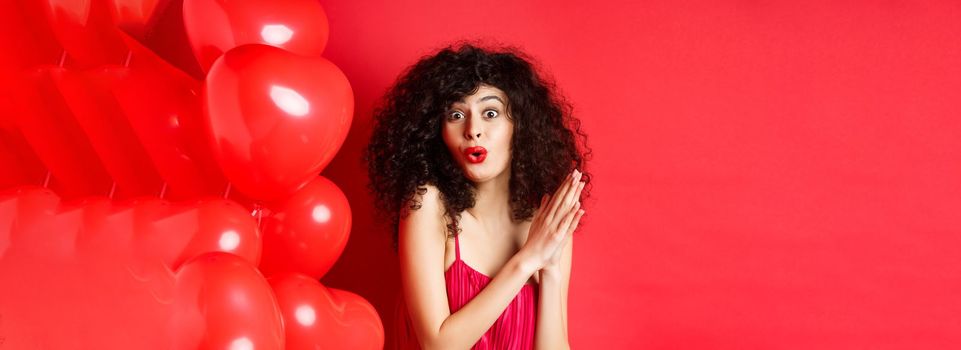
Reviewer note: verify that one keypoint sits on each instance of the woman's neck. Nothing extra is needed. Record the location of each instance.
(492, 203)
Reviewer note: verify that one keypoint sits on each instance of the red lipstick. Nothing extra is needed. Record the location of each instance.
(475, 154)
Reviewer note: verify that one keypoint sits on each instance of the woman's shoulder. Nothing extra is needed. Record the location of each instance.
(425, 212)
(427, 195)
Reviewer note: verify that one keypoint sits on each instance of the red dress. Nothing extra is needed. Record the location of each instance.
(515, 327)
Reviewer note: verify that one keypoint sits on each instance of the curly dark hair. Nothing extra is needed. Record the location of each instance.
(406, 150)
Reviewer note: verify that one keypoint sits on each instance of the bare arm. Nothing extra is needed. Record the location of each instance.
(552, 305)
(422, 241)
(554, 281)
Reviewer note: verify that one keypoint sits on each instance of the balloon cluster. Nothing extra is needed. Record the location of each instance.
(159, 177)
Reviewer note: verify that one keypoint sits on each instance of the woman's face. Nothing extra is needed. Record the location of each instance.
(478, 134)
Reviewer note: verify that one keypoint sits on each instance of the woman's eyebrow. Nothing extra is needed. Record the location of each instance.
(485, 98)
(491, 97)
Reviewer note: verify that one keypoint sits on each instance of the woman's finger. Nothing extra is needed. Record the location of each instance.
(577, 220)
(569, 195)
(558, 197)
(540, 208)
(580, 187)
(540, 204)
(575, 195)
(569, 218)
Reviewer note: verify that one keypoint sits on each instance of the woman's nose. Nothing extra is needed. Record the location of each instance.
(473, 130)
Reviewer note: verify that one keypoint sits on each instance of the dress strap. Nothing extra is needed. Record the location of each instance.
(456, 247)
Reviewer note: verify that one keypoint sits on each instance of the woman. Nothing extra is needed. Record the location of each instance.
(474, 158)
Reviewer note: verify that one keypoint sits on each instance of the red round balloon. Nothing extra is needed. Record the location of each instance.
(307, 232)
(216, 26)
(222, 302)
(317, 317)
(275, 118)
(225, 226)
(176, 233)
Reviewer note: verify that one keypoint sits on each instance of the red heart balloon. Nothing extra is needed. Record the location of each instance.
(275, 118)
(216, 26)
(167, 37)
(35, 43)
(215, 300)
(133, 15)
(307, 232)
(125, 288)
(92, 104)
(50, 129)
(8, 212)
(26, 44)
(86, 29)
(317, 317)
(71, 258)
(106, 231)
(162, 105)
(29, 230)
(223, 302)
(176, 233)
(21, 165)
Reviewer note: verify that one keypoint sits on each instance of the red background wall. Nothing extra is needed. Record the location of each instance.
(768, 174)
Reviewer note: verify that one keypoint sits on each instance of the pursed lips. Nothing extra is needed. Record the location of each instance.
(475, 154)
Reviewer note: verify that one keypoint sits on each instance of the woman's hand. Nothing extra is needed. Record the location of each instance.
(554, 264)
(553, 223)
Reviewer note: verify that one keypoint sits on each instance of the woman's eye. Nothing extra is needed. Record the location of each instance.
(490, 113)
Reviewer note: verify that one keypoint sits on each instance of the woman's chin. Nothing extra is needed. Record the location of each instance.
(475, 175)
